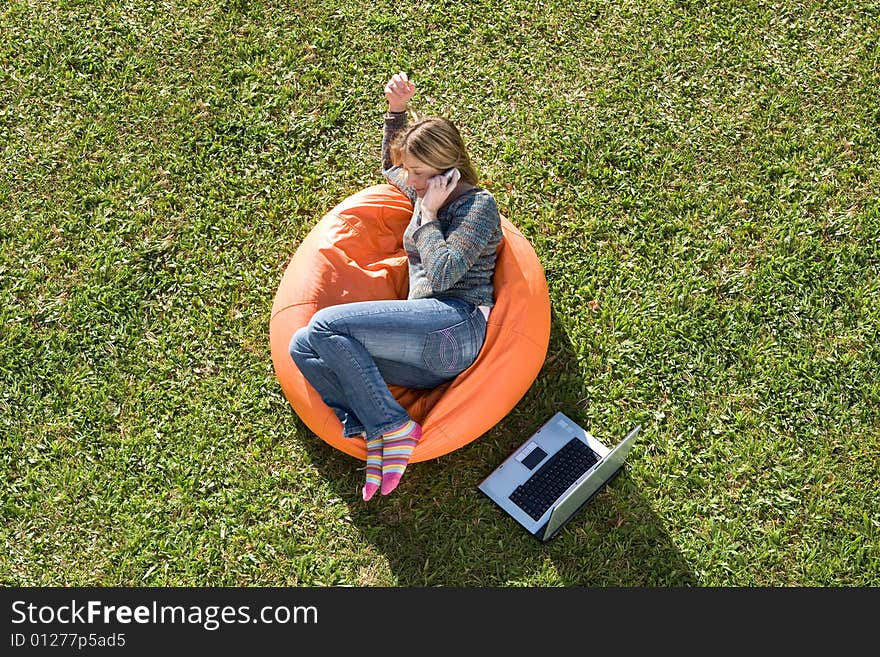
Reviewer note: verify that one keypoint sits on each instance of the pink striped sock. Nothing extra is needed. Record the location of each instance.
(374, 468)
(397, 447)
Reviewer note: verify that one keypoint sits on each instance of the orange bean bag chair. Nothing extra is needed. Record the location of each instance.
(355, 253)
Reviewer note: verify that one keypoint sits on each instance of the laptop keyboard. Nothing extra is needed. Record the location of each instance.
(550, 480)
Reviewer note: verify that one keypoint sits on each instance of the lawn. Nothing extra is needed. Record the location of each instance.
(699, 180)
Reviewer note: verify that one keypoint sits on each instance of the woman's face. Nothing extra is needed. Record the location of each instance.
(417, 173)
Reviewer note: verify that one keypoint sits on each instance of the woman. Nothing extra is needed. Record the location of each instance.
(351, 352)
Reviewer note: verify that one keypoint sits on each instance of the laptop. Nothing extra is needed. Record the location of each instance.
(555, 472)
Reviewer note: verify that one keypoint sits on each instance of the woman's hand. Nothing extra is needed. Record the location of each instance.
(437, 191)
(398, 92)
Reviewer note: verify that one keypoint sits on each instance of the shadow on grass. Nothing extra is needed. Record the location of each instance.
(437, 528)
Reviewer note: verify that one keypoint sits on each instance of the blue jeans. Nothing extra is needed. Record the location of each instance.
(351, 352)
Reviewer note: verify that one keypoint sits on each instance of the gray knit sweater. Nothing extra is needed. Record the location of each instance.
(454, 255)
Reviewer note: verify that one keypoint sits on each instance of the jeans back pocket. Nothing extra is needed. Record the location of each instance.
(452, 350)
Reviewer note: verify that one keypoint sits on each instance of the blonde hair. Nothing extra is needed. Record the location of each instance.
(436, 142)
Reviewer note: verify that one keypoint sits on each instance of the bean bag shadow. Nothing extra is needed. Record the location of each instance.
(355, 253)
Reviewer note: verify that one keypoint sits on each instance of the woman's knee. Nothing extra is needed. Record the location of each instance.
(321, 321)
(306, 342)
(329, 321)
(300, 348)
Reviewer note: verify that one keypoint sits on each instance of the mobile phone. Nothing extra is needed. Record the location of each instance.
(447, 175)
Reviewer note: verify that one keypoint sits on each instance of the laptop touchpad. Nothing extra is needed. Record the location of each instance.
(531, 456)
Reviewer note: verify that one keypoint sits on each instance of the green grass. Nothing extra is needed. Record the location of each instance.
(706, 172)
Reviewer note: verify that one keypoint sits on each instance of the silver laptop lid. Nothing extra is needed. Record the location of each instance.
(591, 482)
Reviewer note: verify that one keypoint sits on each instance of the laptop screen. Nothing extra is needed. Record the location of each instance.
(601, 474)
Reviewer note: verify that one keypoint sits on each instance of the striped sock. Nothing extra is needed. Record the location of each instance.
(374, 467)
(397, 447)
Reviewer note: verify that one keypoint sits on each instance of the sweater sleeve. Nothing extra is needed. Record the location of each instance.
(394, 123)
(446, 259)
